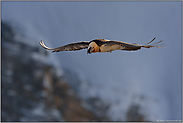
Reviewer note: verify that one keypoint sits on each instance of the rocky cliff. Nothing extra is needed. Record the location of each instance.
(33, 89)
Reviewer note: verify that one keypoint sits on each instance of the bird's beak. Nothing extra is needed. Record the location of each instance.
(88, 51)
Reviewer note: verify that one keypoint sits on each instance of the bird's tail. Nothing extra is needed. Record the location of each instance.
(157, 44)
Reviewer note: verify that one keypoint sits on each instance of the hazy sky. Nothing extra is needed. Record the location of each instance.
(152, 72)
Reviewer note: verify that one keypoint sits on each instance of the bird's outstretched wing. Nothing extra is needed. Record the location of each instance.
(119, 45)
(68, 47)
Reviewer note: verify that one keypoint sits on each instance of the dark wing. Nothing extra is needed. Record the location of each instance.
(119, 45)
(68, 47)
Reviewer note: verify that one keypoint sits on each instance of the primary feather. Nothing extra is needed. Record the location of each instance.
(68, 47)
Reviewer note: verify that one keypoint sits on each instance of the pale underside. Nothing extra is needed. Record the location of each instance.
(105, 48)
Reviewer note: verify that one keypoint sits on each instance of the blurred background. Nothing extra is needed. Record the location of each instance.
(142, 85)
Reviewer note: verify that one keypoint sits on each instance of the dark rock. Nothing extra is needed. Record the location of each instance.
(30, 89)
(134, 114)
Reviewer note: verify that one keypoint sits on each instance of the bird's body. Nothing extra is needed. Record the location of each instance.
(100, 45)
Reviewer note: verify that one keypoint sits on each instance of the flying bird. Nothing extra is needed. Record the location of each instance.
(101, 45)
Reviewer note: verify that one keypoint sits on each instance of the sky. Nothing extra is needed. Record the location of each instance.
(154, 73)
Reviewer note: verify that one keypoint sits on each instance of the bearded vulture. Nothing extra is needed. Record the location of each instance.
(101, 45)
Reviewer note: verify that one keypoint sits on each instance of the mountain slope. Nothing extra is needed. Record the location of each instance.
(32, 89)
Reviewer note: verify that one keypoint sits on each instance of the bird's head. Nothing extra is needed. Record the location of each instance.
(92, 48)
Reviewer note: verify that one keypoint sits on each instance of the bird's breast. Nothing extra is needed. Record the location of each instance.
(95, 50)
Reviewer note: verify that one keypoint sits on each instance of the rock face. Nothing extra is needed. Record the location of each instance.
(35, 90)
(31, 90)
(134, 114)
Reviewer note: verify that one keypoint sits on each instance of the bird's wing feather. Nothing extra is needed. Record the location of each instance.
(157, 44)
(151, 40)
(68, 47)
(119, 45)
